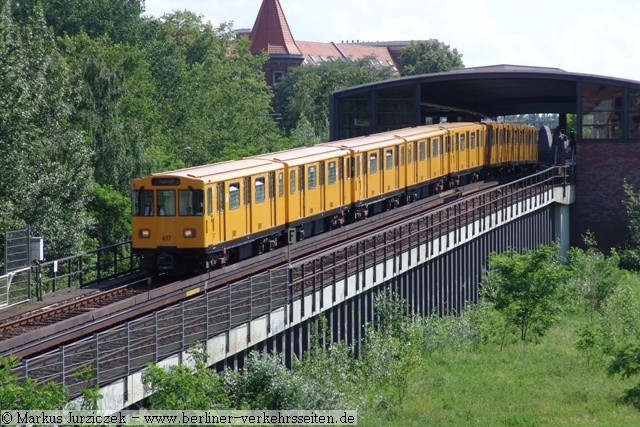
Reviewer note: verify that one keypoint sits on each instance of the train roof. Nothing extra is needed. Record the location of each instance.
(302, 155)
(217, 172)
(381, 140)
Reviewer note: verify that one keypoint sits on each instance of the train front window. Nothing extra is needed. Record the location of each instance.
(191, 202)
(166, 202)
(142, 202)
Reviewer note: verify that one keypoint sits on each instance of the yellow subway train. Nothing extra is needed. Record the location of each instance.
(205, 216)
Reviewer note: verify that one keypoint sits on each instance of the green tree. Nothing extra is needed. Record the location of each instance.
(117, 108)
(117, 19)
(221, 111)
(431, 56)
(110, 212)
(304, 91)
(527, 289)
(182, 387)
(265, 383)
(28, 394)
(47, 163)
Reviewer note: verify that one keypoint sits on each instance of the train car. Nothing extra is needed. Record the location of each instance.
(318, 192)
(375, 172)
(199, 218)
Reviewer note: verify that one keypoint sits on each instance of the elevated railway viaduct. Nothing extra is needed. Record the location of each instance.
(602, 114)
(434, 263)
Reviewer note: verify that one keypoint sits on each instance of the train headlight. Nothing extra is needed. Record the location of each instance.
(189, 233)
(144, 233)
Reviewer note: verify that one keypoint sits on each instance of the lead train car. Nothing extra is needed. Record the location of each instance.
(201, 217)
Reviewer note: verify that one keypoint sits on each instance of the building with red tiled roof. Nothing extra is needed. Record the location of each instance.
(271, 34)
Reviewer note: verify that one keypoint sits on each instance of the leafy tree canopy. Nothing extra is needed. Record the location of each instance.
(431, 56)
(526, 288)
(305, 91)
(117, 19)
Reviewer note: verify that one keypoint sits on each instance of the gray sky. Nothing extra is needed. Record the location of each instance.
(583, 36)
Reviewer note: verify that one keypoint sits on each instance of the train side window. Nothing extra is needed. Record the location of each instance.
(247, 191)
(332, 172)
(292, 182)
(259, 190)
(272, 185)
(234, 195)
(312, 176)
(401, 156)
(358, 167)
(209, 200)
(166, 202)
(280, 184)
(142, 202)
(447, 144)
(462, 142)
(472, 140)
(409, 155)
(191, 202)
(322, 173)
(301, 178)
(435, 146)
(422, 151)
(389, 159)
(373, 163)
(341, 169)
(221, 197)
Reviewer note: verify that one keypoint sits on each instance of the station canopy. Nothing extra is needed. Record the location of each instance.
(607, 108)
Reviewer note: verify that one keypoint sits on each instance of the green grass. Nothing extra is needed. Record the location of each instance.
(544, 384)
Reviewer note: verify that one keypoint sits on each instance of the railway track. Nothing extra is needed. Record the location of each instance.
(39, 331)
(67, 309)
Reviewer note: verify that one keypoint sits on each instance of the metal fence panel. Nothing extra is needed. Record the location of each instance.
(142, 342)
(195, 320)
(169, 331)
(113, 362)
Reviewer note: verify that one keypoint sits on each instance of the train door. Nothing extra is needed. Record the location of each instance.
(280, 199)
(446, 153)
(465, 151)
(491, 146)
(422, 163)
(166, 220)
(311, 196)
(220, 207)
(211, 229)
(435, 158)
(260, 204)
(271, 182)
(388, 170)
(473, 149)
(411, 164)
(333, 190)
(235, 210)
(322, 176)
(293, 195)
(372, 177)
(359, 187)
(401, 176)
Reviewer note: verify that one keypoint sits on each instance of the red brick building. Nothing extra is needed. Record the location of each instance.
(271, 34)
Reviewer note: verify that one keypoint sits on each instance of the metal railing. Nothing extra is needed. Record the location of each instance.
(77, 271)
